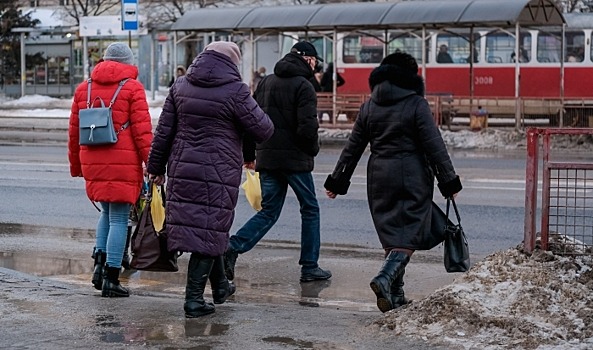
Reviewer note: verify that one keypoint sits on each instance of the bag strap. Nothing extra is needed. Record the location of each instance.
(125, 125)
(451, 200)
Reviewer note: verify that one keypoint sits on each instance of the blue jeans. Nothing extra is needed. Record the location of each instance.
(274, 185)
(112, 231)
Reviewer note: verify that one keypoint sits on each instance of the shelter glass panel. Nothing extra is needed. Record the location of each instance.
(360, 48)
(405, 42)
(454, 48)
(500, 47)
(548, 47)
(575, 46)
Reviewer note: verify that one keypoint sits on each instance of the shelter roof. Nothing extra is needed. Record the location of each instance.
(379, 15)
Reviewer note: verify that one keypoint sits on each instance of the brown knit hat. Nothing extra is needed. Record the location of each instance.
(227, 48)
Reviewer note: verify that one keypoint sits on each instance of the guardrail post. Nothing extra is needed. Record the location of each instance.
(531, 189)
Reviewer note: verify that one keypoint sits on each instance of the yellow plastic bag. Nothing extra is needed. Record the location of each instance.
(252, 189)
(157, 208)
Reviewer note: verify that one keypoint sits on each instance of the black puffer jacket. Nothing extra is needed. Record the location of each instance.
(289, 99)
(407, 151)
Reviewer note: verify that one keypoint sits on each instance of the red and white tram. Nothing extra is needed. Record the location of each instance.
(549, 66)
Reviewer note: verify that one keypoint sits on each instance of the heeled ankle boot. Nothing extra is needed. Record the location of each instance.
(100, 258)
(392, 268)
(198, 270)
(222, 288)
(111, 286)
(125, 261)
(398, 297)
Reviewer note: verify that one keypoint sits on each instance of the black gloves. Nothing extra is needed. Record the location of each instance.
(337, 186)
(448, 189)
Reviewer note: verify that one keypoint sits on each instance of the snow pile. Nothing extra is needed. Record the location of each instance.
(509, 300)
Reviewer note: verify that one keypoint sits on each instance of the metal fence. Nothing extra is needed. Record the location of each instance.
(567, 196)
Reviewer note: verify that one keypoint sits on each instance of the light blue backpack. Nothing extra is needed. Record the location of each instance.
(96, 123)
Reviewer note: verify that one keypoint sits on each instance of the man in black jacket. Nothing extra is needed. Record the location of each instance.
(286, 159)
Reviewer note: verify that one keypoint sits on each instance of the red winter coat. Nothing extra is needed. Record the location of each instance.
(113, 173)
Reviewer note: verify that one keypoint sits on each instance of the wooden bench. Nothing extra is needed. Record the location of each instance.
(348, 104)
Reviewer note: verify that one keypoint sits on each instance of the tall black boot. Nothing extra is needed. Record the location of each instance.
(125, 261)
(111, 286)
(100, 258)
(222, 288)
(198, 270)
(392, 268)
(397, 292)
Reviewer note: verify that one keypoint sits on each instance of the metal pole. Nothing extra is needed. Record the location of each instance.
(23, 66)
(563, 46)
(424, 54)
(174, 54)
(517, 77)
(154, 73)
(253, 58)
(334, 97)
(531, 189)
(471, 69)
(85, 58)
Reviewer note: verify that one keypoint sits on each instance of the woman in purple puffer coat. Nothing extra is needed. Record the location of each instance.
(198, 141)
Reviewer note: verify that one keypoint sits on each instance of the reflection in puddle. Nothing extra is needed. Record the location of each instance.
(43, 266)
(196, 329)
(299, 344)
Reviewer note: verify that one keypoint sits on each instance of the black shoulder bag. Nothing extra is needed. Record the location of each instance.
(456, 247)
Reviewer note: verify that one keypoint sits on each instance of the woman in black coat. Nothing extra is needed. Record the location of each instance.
(407, 152)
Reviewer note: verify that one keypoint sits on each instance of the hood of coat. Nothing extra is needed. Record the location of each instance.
(109, 72)
(211, 68)
(292, 65)
(390, 84)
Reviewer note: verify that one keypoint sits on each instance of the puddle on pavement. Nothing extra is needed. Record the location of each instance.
(293, 343)
(272, 284)
(118, 332)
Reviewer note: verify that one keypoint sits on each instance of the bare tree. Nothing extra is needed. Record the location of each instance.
(82, 8)
(575, 5)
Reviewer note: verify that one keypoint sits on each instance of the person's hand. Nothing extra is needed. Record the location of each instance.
(249, 165)
(157, 179)
(144, 170)
(330, 194)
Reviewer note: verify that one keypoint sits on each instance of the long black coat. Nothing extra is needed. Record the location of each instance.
(407, 151)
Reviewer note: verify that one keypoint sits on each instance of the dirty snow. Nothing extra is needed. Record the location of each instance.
(508, 300)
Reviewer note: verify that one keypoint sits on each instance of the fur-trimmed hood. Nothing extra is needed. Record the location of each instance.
(390, 83)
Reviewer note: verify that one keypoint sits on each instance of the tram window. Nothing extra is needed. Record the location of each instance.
(500, 47)
(454, 49)
(548, 47)
(405, 42)
(575, 46)
(362, 49)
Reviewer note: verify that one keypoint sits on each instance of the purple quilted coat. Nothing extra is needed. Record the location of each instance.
(198, 142)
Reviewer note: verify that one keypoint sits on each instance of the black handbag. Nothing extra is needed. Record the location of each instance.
(456, 247)
(149, 247)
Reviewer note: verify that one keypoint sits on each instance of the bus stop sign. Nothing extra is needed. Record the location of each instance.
(129, 15)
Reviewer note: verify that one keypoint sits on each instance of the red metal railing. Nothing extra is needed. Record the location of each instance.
(567, 194)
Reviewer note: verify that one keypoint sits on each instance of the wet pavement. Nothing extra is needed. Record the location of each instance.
(47, 300)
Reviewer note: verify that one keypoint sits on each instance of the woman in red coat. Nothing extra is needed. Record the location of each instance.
(114, 172)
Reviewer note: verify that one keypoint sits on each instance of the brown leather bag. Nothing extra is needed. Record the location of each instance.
(149, 247)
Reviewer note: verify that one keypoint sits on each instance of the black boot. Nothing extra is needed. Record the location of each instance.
(111, 286)
(198, 270)
(222, 288)
(392, 268)
(99, 257)
(397, 292)
(125, 261)
(230, 259)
